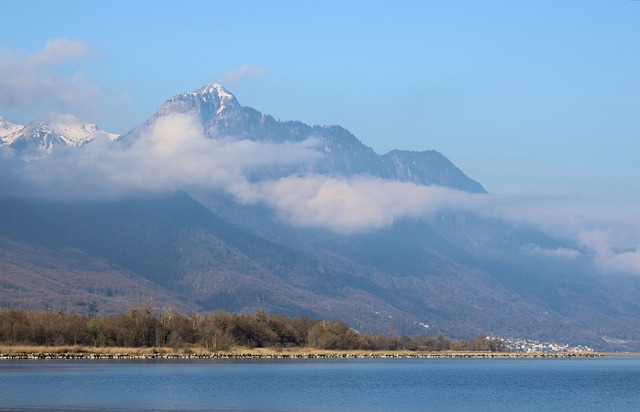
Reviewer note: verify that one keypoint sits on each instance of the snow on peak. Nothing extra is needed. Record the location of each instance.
(7, 128)
(212, 99)
(54, 129)
(72, 130)
(215, 89)
(217, 92)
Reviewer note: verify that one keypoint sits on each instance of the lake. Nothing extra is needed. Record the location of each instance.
(591, 384)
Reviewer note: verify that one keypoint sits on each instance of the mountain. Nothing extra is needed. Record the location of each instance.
(425, 168)
(168, 247)
(57, 130)
(221, 116)
(413, 277)
(462, 274)
(199, 248)
(7, 128)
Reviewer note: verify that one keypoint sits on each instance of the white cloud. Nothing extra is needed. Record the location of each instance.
(176, 154)
(358, 203)
(608, 256)
(58, 50)
(35, 81)
(245, 72)
(560, 252)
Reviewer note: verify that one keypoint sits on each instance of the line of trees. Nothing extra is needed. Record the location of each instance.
(215, 331)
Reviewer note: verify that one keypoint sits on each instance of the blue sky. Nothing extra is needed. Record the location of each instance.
(524, 96)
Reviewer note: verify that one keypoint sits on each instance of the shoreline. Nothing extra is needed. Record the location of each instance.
(40, 353)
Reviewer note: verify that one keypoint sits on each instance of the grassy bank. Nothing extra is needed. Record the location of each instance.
(85, 352)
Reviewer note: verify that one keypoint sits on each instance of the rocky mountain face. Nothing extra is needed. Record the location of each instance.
(425, 168)
(451, 272)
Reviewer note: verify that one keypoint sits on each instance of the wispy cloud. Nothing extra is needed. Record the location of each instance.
(561, 252)
(608, 255)
(59, 50)
(246, 72)
(48, 79)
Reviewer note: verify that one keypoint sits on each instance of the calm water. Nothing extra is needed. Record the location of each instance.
(611, 384)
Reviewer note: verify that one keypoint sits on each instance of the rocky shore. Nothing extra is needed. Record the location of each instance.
(337, 355)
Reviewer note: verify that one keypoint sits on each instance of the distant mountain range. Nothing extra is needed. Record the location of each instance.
(200, 248)
(41, 136)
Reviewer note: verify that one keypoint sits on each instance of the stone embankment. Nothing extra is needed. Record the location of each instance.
(373, 355)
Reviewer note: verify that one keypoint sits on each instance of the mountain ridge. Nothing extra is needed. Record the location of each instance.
(221, 116)
(343, 153)
(42, 135)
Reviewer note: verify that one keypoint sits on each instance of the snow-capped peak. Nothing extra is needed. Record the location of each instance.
(215, 88)
(74, 130)
(7, 128)
(42, 135)
(217, 92)
(68, 128)
(210, 101)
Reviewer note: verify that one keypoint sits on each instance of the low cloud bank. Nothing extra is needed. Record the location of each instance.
(358, 203)
(175, 155)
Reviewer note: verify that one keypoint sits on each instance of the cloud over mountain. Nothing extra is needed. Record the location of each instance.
(357, 203)
(176, 151)
(608, 256)
(174, 154)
